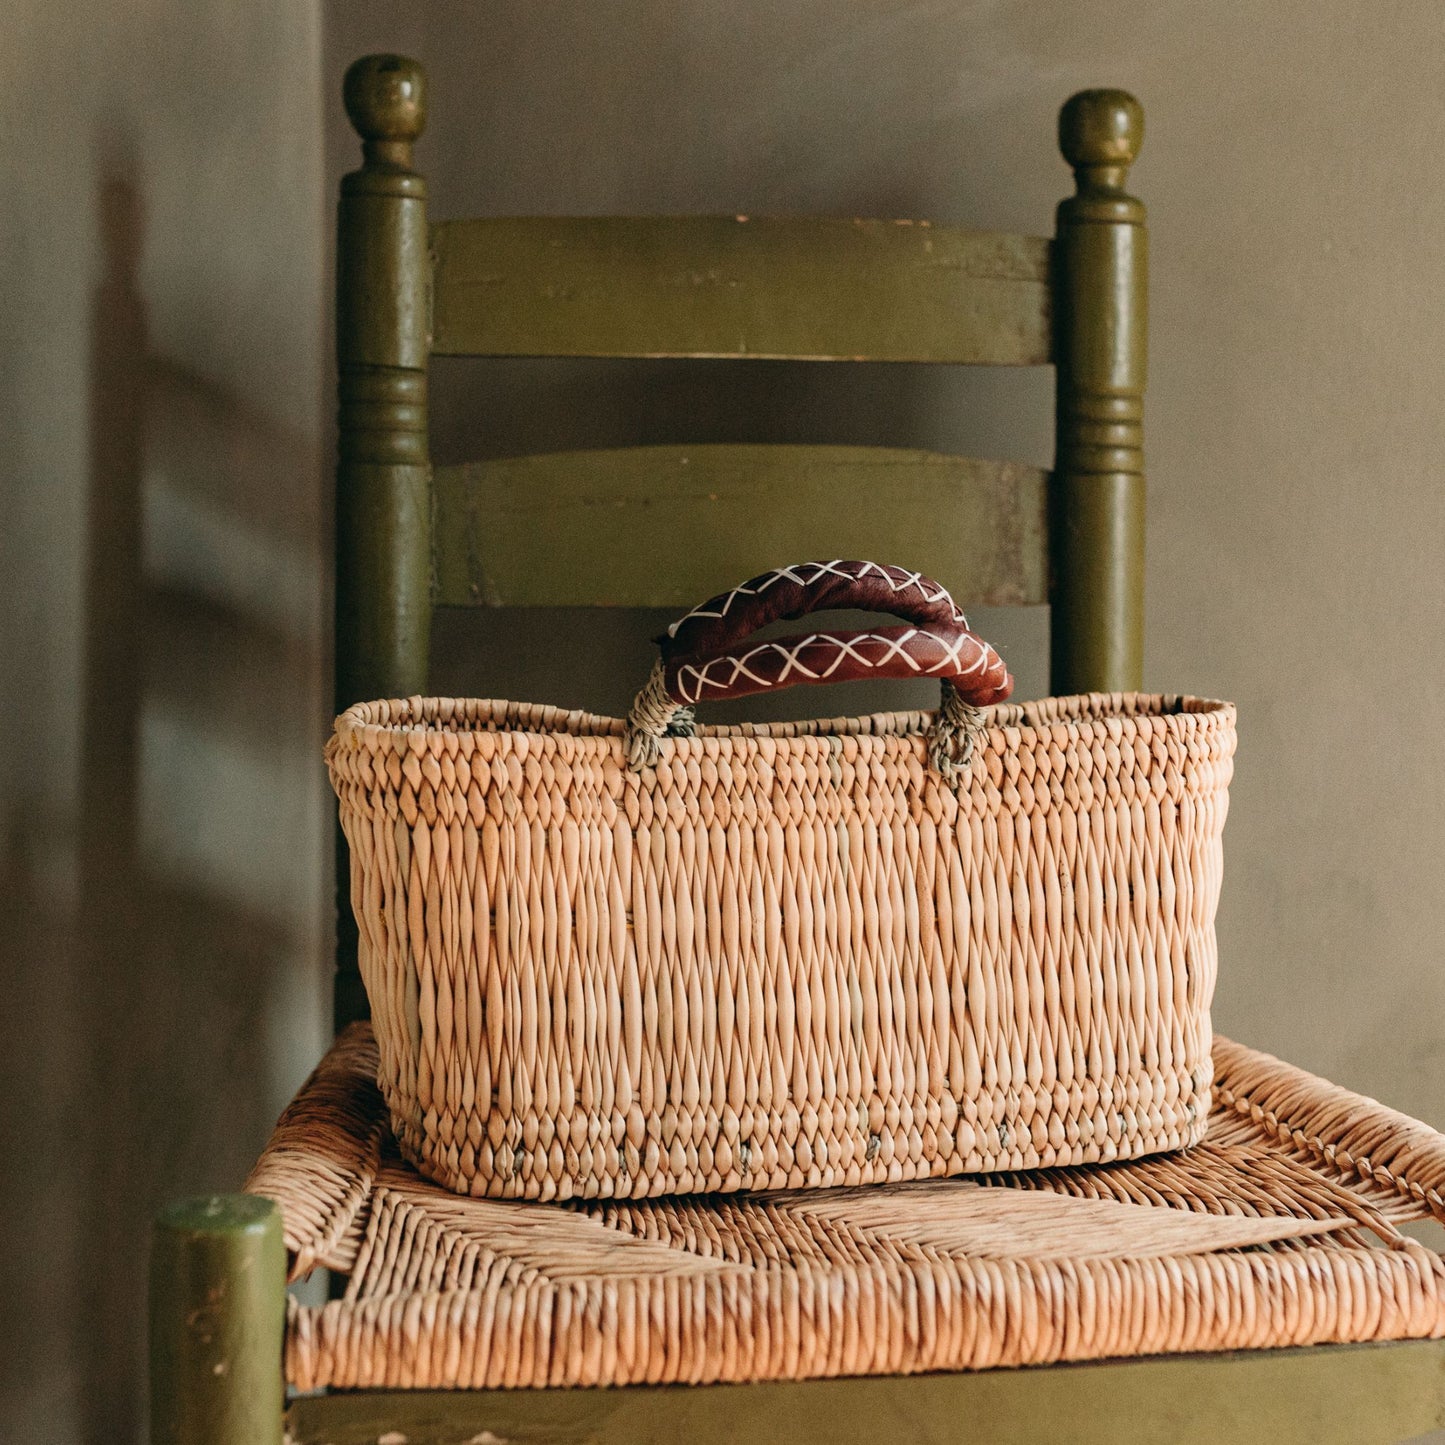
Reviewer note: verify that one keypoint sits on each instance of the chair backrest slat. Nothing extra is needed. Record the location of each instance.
(658, 526)
(709, 286)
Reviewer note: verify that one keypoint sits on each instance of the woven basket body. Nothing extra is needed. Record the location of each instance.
(787, 955)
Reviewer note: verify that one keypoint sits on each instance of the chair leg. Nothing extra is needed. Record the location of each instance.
(217, 1319)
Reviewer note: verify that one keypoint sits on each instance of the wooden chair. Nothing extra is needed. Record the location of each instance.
(566, 530)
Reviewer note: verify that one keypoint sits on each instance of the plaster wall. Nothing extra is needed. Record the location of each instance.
(163, 821)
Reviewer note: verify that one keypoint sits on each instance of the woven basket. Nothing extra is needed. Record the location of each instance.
(631, 958)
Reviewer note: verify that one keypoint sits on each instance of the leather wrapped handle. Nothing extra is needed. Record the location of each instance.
(789, 592)
(953, 655)
(708, 655)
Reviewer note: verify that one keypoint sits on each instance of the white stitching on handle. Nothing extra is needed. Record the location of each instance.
(809, 574)
(718, 675)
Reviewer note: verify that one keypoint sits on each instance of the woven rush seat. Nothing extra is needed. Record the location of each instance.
(1281, 1229)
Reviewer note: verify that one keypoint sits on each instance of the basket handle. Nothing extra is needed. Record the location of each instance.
(706, 655)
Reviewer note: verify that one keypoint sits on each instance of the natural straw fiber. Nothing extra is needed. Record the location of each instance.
(1280, 1229)
(785, 956)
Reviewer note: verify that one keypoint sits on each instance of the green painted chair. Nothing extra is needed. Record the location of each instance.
(566, 529)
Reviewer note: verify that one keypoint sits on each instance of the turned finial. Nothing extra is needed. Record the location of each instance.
(386, 99)
(1100, 132)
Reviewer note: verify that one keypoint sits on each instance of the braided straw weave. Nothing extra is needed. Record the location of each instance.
(785, 956)
(1281, 1229)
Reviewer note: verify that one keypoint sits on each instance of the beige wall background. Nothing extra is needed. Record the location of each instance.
(161, 814)
(163, 820)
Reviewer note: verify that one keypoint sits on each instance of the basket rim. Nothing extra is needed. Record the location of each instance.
(417, 719)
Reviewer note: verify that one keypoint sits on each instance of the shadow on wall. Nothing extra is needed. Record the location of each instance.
(162, 1044)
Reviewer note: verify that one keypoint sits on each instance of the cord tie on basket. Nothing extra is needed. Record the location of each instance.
(652, 717)
(952, 737)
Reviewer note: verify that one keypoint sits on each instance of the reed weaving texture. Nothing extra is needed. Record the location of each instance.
(787, 955)
(1282, 1228)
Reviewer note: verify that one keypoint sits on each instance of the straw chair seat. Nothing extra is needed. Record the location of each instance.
(1283, 1228)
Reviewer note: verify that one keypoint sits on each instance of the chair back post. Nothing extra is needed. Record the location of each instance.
(383, 501)
(1101, 315)
(383, 480)
(217, 1320)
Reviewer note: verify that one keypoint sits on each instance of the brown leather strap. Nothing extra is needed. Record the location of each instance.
(725, 620)
(707, 655)
(955, 655)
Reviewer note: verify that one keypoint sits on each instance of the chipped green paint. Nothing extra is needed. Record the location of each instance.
(217, 1311)
(1326, 1395)
(1097, 502)
(663, 526)
(807, 288)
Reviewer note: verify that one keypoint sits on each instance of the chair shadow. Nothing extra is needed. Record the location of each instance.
(180, 969)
